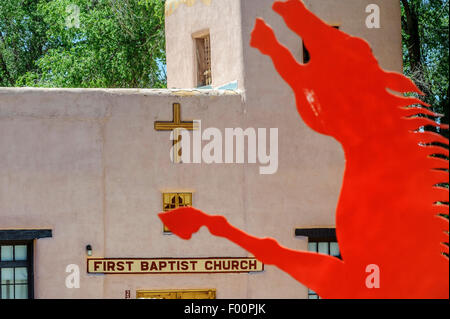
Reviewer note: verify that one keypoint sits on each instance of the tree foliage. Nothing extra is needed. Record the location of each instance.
(425, 32)
(120, 43)
(82, 43)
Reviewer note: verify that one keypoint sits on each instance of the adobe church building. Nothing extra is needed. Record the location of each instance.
(84, 172)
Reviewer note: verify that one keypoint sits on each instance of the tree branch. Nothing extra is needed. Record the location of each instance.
(3, 63)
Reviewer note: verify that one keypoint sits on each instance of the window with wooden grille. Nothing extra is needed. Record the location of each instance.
(203, 54)
(175, 200)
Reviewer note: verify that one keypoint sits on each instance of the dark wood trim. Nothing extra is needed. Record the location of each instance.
(24, 234)
(22, 263)
(317, 234)
(30, 252)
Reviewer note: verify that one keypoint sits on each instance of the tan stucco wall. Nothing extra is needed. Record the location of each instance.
(51, 177)
(350, 15)
(89, 165)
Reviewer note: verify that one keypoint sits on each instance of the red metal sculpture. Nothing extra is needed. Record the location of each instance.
(388, 207)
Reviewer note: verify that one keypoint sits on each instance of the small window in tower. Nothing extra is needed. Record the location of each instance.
(306, 56)
(203, 54)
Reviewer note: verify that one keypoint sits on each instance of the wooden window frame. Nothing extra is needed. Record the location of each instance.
(202, 79)
(29, 263)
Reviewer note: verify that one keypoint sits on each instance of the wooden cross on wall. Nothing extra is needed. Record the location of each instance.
(175, 125)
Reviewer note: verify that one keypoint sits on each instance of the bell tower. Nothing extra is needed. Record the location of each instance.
(204, 43)
(208, 41)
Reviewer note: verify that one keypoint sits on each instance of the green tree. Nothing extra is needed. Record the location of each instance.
(82, 43)
(425, 32)
(22, 39)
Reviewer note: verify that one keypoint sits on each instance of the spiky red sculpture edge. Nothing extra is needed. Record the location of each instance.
(388, 208)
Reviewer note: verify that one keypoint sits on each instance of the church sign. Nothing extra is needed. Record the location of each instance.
(173, 265)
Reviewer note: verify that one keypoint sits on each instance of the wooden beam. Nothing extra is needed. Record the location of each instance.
(24, 234)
